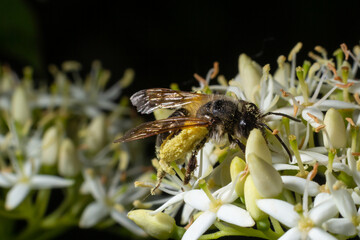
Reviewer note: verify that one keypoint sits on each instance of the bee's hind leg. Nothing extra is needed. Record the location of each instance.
(160, 175)
(192, 164)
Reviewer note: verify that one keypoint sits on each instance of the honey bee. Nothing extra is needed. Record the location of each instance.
(196, 119)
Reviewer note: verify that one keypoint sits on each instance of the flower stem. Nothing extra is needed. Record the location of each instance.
(294, 147)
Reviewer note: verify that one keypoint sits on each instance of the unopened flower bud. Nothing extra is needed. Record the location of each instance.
(69, 165)
(19, 106)
(127, 78)
(282, 74)
(243, 61)
(250, 79)
(266, 179)
(96, 133)
(256, 144)
(160, 225)
(335, 128)
(237, 166)
(50, 146)
(251, 196)
(70, 66)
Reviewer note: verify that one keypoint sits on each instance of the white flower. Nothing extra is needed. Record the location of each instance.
(217, 207)
(26, 179)
(305, 225)
(350, 224)
(109, 203)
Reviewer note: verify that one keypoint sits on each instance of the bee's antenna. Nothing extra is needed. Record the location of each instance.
(281, 114)
(279, 139)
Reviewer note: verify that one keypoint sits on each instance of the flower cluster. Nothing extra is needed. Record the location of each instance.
(58, 168)
(261, 192)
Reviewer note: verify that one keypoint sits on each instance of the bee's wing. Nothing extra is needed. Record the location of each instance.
(148, 100)
(149, 129)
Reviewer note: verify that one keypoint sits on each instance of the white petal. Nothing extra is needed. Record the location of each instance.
(124, 221)
(352, 165)
(315, 112)
(337, 104)
(342, 167)
(49, 181)
(341, 226)
(317, 233)
(297, 184)
(235, 215)
(281, 210)
(92, 214)
(201, 224)
(16, 195)
(281, 166)
(343, 199)
(291, 234)
(5, 181)
(186, 213)
(95, 186)
(356, 198)
(197, 199)
(323, 212)
(321, 197)
(175, 199)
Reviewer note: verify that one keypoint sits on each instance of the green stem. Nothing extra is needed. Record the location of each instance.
(277, 227)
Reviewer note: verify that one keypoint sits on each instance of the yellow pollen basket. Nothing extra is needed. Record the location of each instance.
(183, 143)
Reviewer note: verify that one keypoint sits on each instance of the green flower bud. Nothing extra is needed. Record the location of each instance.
(160, 225)
(19, 106)
(256, 144)
(251, 196)
(335, 128)
(238, 165)
(69, 165)
(266, 179)
(96, 133)
(50, 146)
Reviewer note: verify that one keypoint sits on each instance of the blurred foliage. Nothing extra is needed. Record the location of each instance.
(19, 34)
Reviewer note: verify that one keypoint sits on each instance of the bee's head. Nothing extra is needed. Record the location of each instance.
(249, 118)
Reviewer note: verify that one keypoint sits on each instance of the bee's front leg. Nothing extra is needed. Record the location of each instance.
(238, 142)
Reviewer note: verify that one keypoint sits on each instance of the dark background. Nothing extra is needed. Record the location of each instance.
(167, 41)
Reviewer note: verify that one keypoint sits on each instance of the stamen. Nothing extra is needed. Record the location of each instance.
(357, 98)
(321, 50)
(319, 128)
(313, 117)
(350, 121)
(314, 171)
(345, 49)
(332, 68)
(357, 154)
(200, 79)
(275, 131)
(296, 109)
(190, 223)
(143, 184)
(216, 70)
(344, 85)
(284, 94)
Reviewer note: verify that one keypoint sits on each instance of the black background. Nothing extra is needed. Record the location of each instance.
(168, 41)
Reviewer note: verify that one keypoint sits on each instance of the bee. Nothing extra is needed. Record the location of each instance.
(197, 118)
